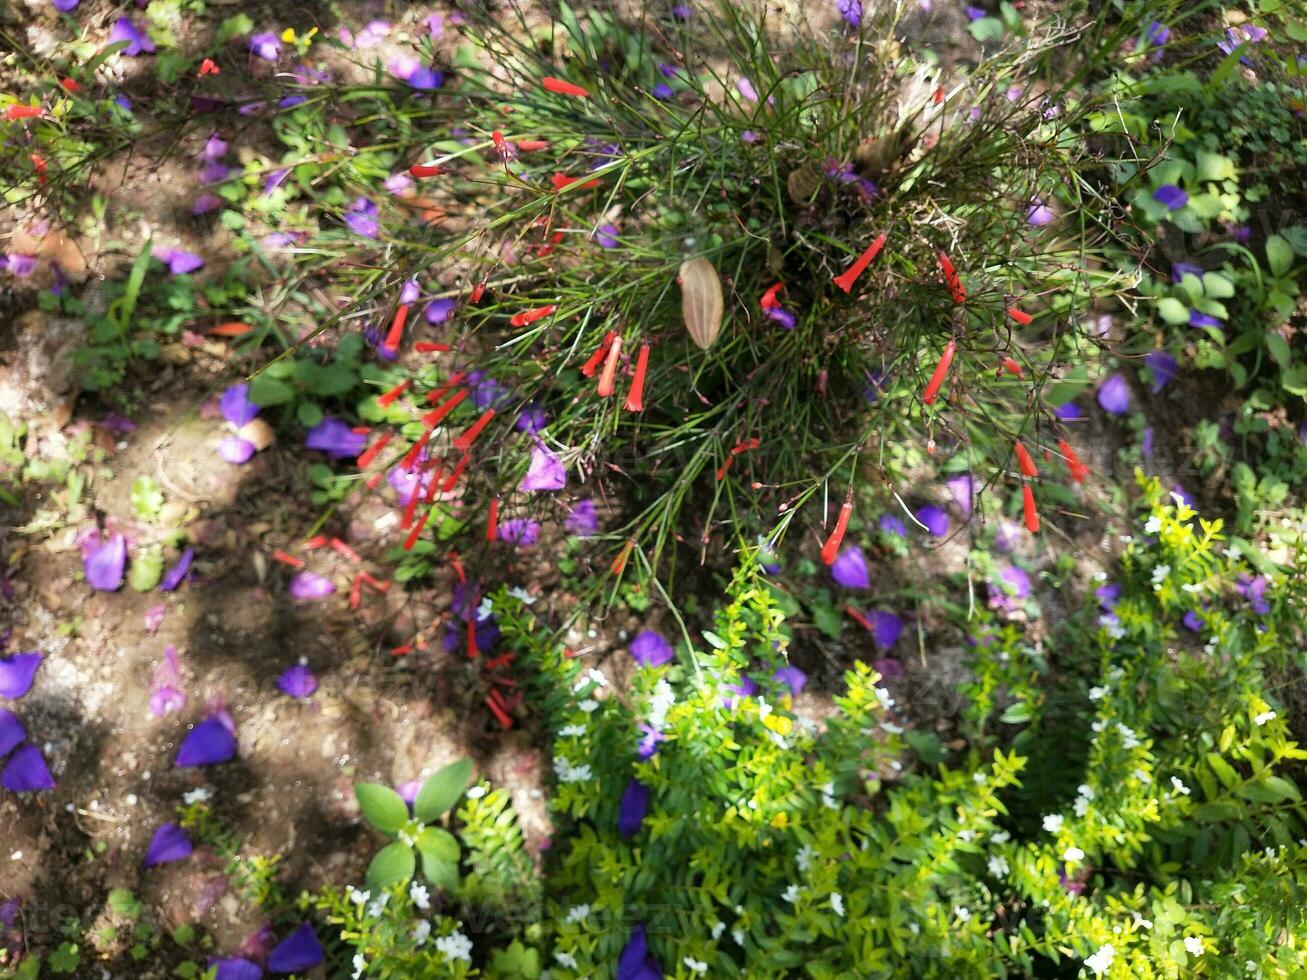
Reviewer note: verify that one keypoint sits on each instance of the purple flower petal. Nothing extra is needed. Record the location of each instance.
(633, 808)
(335, 438)
(746, 688)
(850, 568)
(207, 744)
(298, 681)
(236, 405)
(583, 521)
(963, 491)
(409, 292)
(1114, 396)
(791, 677)
(266, 46)
(236, 450)
(747, 90)
(104, 564)
(532, 420)
(1197, 319)
(782, 316)
(1181, 269)
(1038, 215)
(651, 649)
(606, 235)
(974, 13)
(1164, 366)
(1193, 621)
(936, 521)
(308, 585)
(26, 771)
(166, 694)
(851, 11)
(137, 40)
(17, 673)
(440, 310)
(1015, 581)
(296, 953)
(546, 471)
(179, 572)
(892, 525)
(169, 843)
(1171, 196)
(12, 732)
(235, 968)
(179, 261)
(1070, 412)
(520, 531)
(362, 218)
(885, 628)
(647, 747)
(1107, 595)
(64, 6)
(635, 962)
(1253, 588)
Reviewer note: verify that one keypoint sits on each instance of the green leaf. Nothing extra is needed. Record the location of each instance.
(442, 790)
(147, 498)
(146, 570)
(1217, 286)
(1172, 310)
(1224, 771)
(1278, 348)
(1213, 167)
(308, 414)
(986, 30)
(393, 863)
(1279, 255)
(439, 844)
(442, 874)
(384, 808)
(238, 25)
(266, 391)
(714, 641)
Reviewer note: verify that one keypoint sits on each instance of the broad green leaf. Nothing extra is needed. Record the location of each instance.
(1213, 167)
(1224, 771)
(393, 863)
(146, 569)
(1279, 255)
(442, 790)
(266, 391)
(1172, 310)
(442, 874)
(308, 414)
(986, 30)
(384, 808)
(1278, 348)
(1217, 286)
(439, 844)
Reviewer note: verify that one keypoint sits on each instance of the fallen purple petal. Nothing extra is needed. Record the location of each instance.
(207, 744)
(439, 310)
(335, 438)
(12, 732)
(138, 41)
(936, 521)
(17, 673)
(1164, 366)
(307, 585)
(298, 681)
(583, 521)
(179, 572)
(104, 564)
(236, 450)
(235, 968)
(297, 952)
(169, 843)
(545, 473)
(26, 771)
(1114, 395)
(178, 261)
(885, 628)
(520, 531)
(265, 46)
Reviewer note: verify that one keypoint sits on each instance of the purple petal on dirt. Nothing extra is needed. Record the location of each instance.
(12, 732)
(104, 564)
(138, 41)
(633, 808)
(409, 292)
(1193, 621)
(1015, 581)
(179, 572)
(520, 531)
(265, 46)
(64, 6)
(962, 490)
(335, 438)
(439, 310)
(397, 183)
(169, 843)
(1114, 395)
(21, 266)
(850, 568)
(179, 261)
(235, 968)
(165, 699)
(1164, 366)
(782, 316)
(26, 771)
(545, 473)
(373, 33)
(206, 203)
(1146, 442)
(1038, 215)
(532, 420)
(791, 677)
(207, 744)
(936, 521)
(606, 235)
(425, 79)
(214, 173)
(1171, 196)
(650, 648)
(974, 13)
(236, 450)
(308, 585)
(749, 136)
(298, 681)
(407, 482)
(583, 521)
(888, 667)
(297, 952)
(892, 525)
(635, 961)
(236, 405)
(362, 218)
(215, 148)
(17, 673)
(1198, 319)
(885, 628)
(154, 617)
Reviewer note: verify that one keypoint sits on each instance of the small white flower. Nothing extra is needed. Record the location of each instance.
(791, 894)
(198, 795)
(565, 959)
(837, 903)
(421, 932)
(572, 731)
(966, 836)
(377, 904)
(764, 709)
(1193, 588)
(718, 928)
(568, 773)
(1101, 960)
(1073, 854)
(1160, 573)
(978, 778)
(356, 896)
(1142, 776)
(1180, 787)
(455, 946)
(1096, 693)
(1080, 806)
(962, 913)
(1261, 719)
(1000, 837)
(577, 913)
(1129, 738)
(804, 857)
(998, 865)
(360, 964)
(1098, 726)
(588, 705)
(477, 791)
(695, 966)
(738, 935)
(1085, 790)
(420, 896)
(522, 595)
(486, 608)
(1153, 525)
(1053, 822)
(1194, 945)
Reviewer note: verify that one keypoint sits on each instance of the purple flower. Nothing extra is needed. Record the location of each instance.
(851, 11)
(236, 405)
(486, 391)
(12, 732)
(439, 310)
(208, 743)
(65, 5)
(633, 808)
(21, 266)
(850, 568)
(308, 585)
(1146, 442)
(178, 261)
(425, 79)
(215, 148)
(1070, 412)
(1197, 319)
(936, 521)
(650, 649)
(235, 450)
(1156, 34)
(885, 628)
(963, 491)
(749, 136)
(606, 235)
(662, 92)
(1171, 196)
(892, 525)
(104, 563)
(178, 573)
(647, 747)
(1013, 584)
(681, 11)
(1253, 588)
(409, 292)
(26, 771)
(546, 471)
(1181, 269)
(17, 673)
(298, 681)
(791, 677)
(746, 688)
(520, 531)
(166, 695)
(373, 33)
(335, 438)
(265, 46)
(362, 218)
(974, 13)
(635, 961)
(584, 519)
(169, 843)
(137, 40)
(296, 953)
(235, 968)
(1193, 621)
(1114, 395)
(1108, 595)
(782, 316)
(532, 420)
(1038, 214)
(747, 90)
(1164, 366)
(410, 481)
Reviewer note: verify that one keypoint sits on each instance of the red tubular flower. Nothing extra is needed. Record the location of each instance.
(769, 300)
(465, 441)
(458, 567)
(413, 534)
(38, 164)
(287, 559)
(1075, 468)
(846, 279)
(939, 95)
(635, 397)
(560, 87)
(548, 247)
(1025, 462)
(412, 507)
(434, 418)
(411, 457)
(420, 170)
(368, 455)
(1011, 366)
(951, 277)
(606, 379)
(23, 112)
(1028, 506)
(478, 291)
(941, 370)
(207, 67)
(527, 146)
(832, 546)
(858, 618)
(426, 347)
(492, 520)
(561, 180)
(433, 485)
(1021, 316)
(316, 542)
(500, 146)
(70, 84)
(498, 712)
(392, 394)
(527, 317)
(591, 366)
(397, 328)
(436, 394)
(619, 563)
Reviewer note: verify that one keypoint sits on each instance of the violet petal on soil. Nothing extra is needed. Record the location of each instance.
(154, 617)
(12, 732)
(179, 572)
(297, 952)
(583, 521)
(335, 438)
(169, 843)
(17, 673)
(26, 771)
(236, 405)
(138, 41)
(532, 420)
(308, 585)
(546, 472)
(178, 261)
(520, 531)
(633, 808)
(1114, 395)
(936, 521)
(885, 628)
(851, 11)
(104, 564)
(236, 450)
(235, 968)
(791, 677)
(962, 490)
(850, 568)
(207, 744)
(166, 694)
(651, 649)
(1069, 412)
(298, 681)
(64, 6)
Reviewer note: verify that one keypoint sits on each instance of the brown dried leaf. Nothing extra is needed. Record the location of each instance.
(701, 301)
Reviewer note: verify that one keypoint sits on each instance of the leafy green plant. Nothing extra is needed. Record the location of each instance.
(438, 849)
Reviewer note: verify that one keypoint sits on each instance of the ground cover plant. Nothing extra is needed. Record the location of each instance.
(637, 491)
